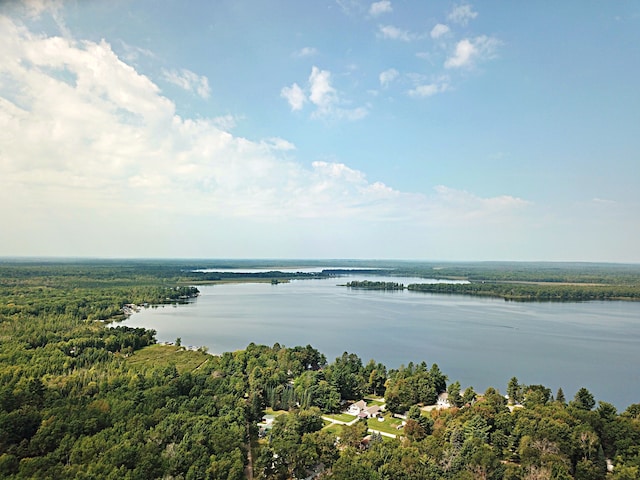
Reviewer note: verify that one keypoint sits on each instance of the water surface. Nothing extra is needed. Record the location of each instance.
(480, 342)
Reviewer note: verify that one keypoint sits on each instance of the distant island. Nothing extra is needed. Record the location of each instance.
(369, 285)
(532, 292)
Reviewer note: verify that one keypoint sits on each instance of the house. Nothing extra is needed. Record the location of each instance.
(443, 400)
(365, 442)
(369, 412)
(356, 408)
(372, 411)
(265, 425)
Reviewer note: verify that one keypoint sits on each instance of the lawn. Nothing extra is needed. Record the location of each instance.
(333, 428)
(276, 413)
(165, 355)
(389, 425)
(374, 401)
(341, 417)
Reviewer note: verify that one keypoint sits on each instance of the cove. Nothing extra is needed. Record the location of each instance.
(481, 342)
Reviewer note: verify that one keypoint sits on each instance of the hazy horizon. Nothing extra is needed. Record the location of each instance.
(286, 262)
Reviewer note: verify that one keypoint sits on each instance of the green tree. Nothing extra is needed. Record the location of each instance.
(560, 396)
(453, 391)
(514, 391)
(583, 400)
(469, 396)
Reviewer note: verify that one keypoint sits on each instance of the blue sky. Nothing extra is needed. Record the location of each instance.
(321, 129)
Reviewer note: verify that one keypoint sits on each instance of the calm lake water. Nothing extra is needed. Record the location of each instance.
(480, 342)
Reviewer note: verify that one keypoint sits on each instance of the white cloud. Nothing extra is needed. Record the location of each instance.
(295, 96)
(132, 53)
(189, 81)
(450, 206)
(281, 144)
(94, 160)
(305, 52)
(378, 8)
(429, 89)
(394, 33)
(439, 30)
(461, 14)
(388, 76)
(321, 93)
(469, 51)
(225, 122)
(464, 53)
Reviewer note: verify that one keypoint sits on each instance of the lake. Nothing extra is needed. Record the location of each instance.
(478, 341)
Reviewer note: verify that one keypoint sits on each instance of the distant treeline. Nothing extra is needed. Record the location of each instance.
(198, 277)
(533, 292)
(548, 272)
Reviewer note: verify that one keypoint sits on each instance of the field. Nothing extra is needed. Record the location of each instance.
(165, 355)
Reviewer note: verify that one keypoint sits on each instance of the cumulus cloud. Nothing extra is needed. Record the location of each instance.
(378, 8)
(94, 155)
(469, 51)
(429, 89)
(189, 81)
(323, 95)
(461, 14)
(394, 33)
(295, 96)
(450, 206)
(388, 76)
(439, 30)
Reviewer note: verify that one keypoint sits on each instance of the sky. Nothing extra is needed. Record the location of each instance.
(394, 129)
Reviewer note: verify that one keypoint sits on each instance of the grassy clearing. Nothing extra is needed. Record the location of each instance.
(334, 429)
(277, 413)
(165, 355)
(341, 417)
(389, 425)
(374, 401)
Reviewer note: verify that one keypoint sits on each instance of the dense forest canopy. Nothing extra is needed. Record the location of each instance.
(85, 398)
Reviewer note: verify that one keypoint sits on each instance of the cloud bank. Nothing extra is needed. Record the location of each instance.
(93, 156)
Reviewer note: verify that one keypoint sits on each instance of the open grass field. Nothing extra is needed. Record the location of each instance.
(388, 426)
(341, 417)
(271, 411)
(333, 428)
(159, 355)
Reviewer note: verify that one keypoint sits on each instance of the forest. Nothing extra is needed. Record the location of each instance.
(82, 397)
(531, 292)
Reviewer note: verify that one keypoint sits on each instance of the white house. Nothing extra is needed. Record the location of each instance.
(356, 408)
(443, 400)
(370, 412)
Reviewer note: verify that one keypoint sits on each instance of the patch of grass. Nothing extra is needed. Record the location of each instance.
(165, 355)
(271, 411)
(341, 417)
(389, 425)
(374, 401)
(334, 429)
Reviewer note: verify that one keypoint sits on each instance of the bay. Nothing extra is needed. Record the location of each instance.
(478, 341)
